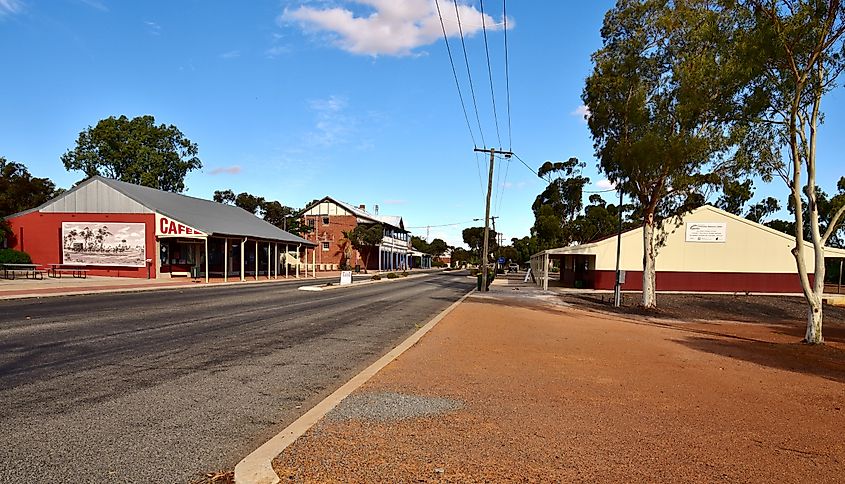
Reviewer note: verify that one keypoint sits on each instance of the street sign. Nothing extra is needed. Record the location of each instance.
(345, 278)
(501, 260)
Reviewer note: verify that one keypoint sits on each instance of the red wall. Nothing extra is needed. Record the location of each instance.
(703, 281)
(39, 235)
(331, 233)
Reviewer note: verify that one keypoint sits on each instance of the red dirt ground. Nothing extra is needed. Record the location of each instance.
(559, 394)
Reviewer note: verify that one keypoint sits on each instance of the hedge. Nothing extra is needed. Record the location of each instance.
(12, 256)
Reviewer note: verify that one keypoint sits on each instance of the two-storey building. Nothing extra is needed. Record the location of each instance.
(329, 219)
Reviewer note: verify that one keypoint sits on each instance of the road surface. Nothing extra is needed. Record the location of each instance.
(164, 386)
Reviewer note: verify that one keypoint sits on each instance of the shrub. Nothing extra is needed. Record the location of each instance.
(392, 275)
(405, 274)
(12, 256)
(473, 272)
(375, 277)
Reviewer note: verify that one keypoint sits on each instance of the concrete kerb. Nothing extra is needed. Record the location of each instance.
(257, 467)
(162, 287)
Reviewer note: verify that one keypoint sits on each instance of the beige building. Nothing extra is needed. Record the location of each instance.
(708, 250)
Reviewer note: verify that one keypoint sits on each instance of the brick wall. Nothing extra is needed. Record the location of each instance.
(333, 234)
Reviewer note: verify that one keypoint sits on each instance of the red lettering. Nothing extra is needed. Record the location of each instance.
(172, 228)
(162, 225)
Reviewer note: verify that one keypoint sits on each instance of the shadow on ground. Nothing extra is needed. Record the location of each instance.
(825, 361)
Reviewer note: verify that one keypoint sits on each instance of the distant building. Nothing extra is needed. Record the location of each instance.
(329, 218)
(710, 250)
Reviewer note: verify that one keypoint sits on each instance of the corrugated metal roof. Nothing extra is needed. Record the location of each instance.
(205, 215)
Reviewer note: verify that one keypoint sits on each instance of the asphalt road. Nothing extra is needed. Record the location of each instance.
(164, 386)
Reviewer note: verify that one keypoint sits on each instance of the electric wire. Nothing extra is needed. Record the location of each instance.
(505, 182)
(469, 73)
(490, 73)
(507, 72)
(445, 225)
(455, 74)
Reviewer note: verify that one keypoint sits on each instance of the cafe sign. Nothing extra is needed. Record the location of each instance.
(167, 227)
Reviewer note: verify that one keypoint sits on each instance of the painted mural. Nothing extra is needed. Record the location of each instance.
(104, 244)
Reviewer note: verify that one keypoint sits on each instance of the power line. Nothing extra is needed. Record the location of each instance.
(490, 73)
(507, 72)
(469, 74)
(502, 188)
(445, 225)
(455, 75)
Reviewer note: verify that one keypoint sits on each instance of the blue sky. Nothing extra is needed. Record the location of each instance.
(295, 100)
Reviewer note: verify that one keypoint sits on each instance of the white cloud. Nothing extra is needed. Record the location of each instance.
(10, 7)
(228, 170)
(152, 27)
(232, 54)
(97, 4)
(333, 125)
(582, 112)
(389, 27)
(395, 202)
(605, 184)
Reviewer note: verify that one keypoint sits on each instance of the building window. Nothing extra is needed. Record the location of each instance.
(325, 220)
(325, 246)
(310, 222)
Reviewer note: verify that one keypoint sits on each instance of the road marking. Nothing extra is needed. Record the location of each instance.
(257, 467)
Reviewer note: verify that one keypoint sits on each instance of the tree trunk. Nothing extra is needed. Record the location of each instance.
(649, 264)
(814, 321)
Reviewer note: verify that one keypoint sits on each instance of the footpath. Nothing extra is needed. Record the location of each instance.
(514, 385)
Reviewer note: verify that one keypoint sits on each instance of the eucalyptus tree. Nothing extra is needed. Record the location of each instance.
(559, 203)
(136, 151)
(798, 50)
(661, 98)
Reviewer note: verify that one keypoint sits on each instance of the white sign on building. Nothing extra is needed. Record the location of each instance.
(707, 232)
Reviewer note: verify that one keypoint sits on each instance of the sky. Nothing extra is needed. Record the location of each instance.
(294, 100)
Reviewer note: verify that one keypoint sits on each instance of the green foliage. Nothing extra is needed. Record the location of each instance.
(438, 247)
(19, 190)
(474, 238)
(660, 95)
(460, 256)
(5, 232)
(392, 275)
(735, 195)
(375, 277)
(525, 248)
(365, 237)
(136, 151)
(559, 203)
(419, 244)
(12, 256)
(762, 209)
(273, 212)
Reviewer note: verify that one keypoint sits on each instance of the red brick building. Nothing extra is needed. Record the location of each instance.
(330, 218)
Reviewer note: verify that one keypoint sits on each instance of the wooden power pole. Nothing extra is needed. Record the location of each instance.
(493, 153)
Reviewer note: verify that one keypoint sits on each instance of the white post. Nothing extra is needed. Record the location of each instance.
(243, 266)
(298, 260)
(225, 260)
(276, 253)
(269, 253)
(379, 258)
(287, 253)
(314, 260)
(256, 261)
(206, 260)
(546, 272)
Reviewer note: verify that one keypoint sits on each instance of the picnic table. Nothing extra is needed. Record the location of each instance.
(75, 270)
(30, 271)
